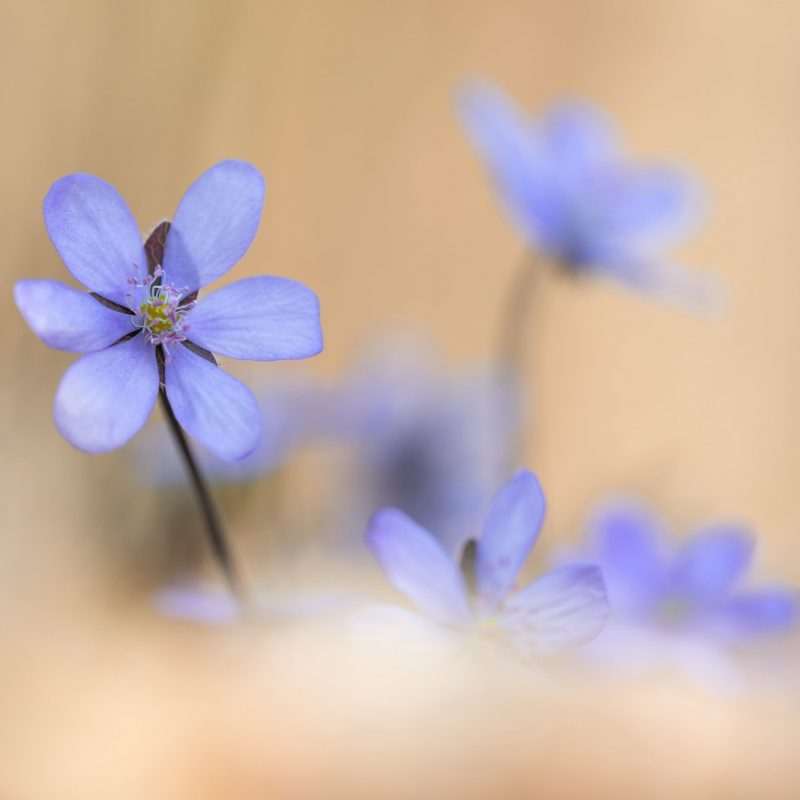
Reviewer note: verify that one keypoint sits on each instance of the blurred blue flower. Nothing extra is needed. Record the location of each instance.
(679, 601)
(136, 309)
(565, 607)
(423, 440)
(693, 586)
(576, 198)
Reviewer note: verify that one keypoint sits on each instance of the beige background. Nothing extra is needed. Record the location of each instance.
(376, 201)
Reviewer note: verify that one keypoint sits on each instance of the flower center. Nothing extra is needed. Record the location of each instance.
(675, 610)
(158, 309)
(488, 625)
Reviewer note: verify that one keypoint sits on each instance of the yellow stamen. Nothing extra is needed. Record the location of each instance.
(155, 316)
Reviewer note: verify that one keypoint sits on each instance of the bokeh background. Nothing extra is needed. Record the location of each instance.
(376, 200)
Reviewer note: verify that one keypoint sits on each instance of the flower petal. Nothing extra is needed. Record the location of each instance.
(417, 565)
(294, 412)
(95, 234)
(511, 529)
(758, 612)
(647, 200)
(68, 319)
(628, 543)
(214, 224)
(262, 318)
(578, 136)
(198, 603)
(512, 149)
(711, 562)
(218, 410)
(105, 398)
(566, 607)
(694, 291)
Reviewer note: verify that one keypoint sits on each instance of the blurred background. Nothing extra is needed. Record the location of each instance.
(376, 200)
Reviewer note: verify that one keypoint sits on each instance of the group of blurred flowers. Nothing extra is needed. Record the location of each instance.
(429, 449)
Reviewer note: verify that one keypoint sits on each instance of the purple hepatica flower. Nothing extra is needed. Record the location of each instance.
(427, 443)
(140, 322)
(680, 602)
(575, 197)
(565, 607)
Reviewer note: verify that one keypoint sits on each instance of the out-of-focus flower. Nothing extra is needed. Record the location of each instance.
(563, 608)
(424, 440)
(679, 602)
(576, 198)
(140, 322)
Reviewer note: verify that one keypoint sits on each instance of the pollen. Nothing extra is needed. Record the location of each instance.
(160, 309)
(157, 315)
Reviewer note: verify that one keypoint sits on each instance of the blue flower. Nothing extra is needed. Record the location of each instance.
(423, 440)
(692, 587)
(574, 196)
(565, 607)
(141, 323)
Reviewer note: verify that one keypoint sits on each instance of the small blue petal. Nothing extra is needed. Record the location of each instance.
(214, 407)
(214, 224)
(710, 563)
(756, 612)
(261, 318)
(67, 319)
(564, 608)
(105, 398)
(511, 529)
(198, 604)
(692, 290)
(516, 157)
(641, 201)
(630, 547)
(417, 565)
(293, 414)
(95, 234)
(577, 136)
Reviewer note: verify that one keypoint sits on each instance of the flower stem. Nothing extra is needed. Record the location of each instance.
(510, 353)
(214, 529)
